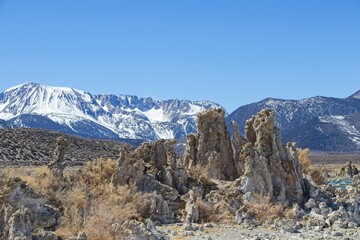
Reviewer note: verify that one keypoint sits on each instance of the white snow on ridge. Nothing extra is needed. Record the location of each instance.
(155, 115)
(344, 126)
(15, 87)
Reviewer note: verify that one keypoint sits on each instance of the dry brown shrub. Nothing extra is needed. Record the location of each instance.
(199, 172)
(266, 212)
(222, 213)
(263, 210)
(95, 205)
(38, 178)
(304, 159)
(217, 213)
(96, 216)
(110, 211)
(98, 172)
(205, 210)
(317, 175)
(89, 201)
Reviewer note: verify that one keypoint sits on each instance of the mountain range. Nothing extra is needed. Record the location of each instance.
(320, 123)
(107, 116)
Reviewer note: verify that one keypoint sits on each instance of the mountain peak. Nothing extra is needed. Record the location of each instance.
(27, 84)
(355, 95)
(31, 86)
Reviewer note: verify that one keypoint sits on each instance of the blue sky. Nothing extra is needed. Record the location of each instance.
(230, 52)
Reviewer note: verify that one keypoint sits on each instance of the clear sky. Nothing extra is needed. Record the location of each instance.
(230, 52)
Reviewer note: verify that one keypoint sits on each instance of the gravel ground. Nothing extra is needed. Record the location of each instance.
(226, 232)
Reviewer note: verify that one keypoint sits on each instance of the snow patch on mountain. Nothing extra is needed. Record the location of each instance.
(156, 115)
(344, 126)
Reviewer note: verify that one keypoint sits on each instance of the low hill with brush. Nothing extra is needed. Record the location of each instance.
(25, 146)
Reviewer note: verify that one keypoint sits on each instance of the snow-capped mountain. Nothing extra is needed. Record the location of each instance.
(295, 118)
(99, 116)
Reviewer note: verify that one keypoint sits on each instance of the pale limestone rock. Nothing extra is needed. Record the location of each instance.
(155, 168)
(191, 209)
(211, 146)
(237, 143)
(157, 159)
(298, 212)
(25, 213)
(271, 169)
(58, 164)
(190, 152)
(242, 214)
(311, 203)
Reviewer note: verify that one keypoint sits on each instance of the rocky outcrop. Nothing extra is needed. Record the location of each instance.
(58, 164)
(25, 214)
(271, 169)
(162, 162)
(266, 167)
(155, 168)
(156, 159)
(130, 170)
(211, 146)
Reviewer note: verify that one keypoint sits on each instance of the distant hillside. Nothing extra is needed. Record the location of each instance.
(36, 147)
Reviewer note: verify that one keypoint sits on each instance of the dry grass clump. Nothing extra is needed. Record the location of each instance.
(205, 210)
(267, 212)
(98, 172)
(39, 178)
(87, 198)
(199, 172)
(216, 213)
(263, 210)
(316, 174)
(101, 217)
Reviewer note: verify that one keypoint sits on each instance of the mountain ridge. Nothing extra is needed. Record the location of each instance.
(293, 115)
(111, 116)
